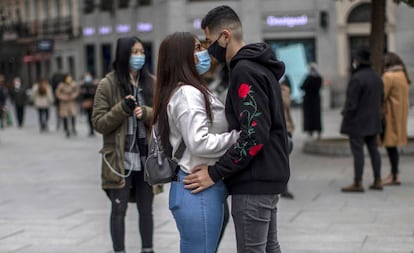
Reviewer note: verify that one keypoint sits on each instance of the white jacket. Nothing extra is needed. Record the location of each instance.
(205, 142)
(42, 101)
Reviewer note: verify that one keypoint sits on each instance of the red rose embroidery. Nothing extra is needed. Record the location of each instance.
(254, 124)
(255, 149)
(244, 89)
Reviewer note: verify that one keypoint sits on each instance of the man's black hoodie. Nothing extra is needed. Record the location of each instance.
(258, 163)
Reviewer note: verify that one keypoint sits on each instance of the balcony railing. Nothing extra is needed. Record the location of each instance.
(46, 28)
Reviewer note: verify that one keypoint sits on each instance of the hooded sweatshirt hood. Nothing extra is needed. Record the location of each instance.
(260, 53)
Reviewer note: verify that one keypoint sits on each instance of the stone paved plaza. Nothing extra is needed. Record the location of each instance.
(51, 201)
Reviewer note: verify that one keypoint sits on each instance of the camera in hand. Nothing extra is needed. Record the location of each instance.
(131, 103)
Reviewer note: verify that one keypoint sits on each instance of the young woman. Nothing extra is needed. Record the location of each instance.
(396, 102)
(67, 92)
(186, 111)
(43, 99)
(122, 113)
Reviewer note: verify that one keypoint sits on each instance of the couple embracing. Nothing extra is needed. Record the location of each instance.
(240, 149)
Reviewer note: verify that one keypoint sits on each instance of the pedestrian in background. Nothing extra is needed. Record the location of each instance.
(3, 99)
(395, 109)
(55, 80)
(256, 168)
(19, 98)
(87, 93)
(290, 126)
(312, 101)
(362, 118)
(42, 96)
(122, 113)
(189, 115)
(67, 93)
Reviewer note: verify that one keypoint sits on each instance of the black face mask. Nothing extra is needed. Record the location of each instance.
(218, 51)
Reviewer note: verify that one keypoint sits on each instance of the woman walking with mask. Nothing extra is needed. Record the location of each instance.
(122, 113)
(67, 92)
(185, 111)
(43, 98)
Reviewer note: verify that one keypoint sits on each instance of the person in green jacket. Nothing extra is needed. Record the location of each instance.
(122, 113)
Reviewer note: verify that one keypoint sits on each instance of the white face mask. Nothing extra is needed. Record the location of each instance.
(354, 65)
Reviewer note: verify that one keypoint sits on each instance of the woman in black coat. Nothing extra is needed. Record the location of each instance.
(312, 102)
(19, 97)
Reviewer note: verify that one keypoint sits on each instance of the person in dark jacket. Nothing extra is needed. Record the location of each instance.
(19, 98)
(312, 101)
(256, 168)
(87, 93)
(3, 98)
(55, 80)
(362, 118)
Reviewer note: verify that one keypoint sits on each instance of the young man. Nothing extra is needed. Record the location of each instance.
(256, 167)
(362, 118)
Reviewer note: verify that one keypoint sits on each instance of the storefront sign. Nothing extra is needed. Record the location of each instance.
(9, 35)
(103, 30)
(144, 27)
(88, 31)
(287, 21)
(197, 23)
(123, 28)
(45, 45)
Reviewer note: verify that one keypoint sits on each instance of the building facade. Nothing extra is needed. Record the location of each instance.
(300, 32)
(39, 37)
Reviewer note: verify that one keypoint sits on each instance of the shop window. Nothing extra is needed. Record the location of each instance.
(296, 55)
(90, 59)
(38, 70)
(47, 68)
(360, 14)
(106, 58)
(59, 63)
(143, 2)
(106, 5)
(88, 6)
(148, 56)
(357, 41)
(123, 4)
(71, 64)
(308, 45)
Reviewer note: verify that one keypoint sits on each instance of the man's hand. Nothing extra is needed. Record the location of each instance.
(198, 180)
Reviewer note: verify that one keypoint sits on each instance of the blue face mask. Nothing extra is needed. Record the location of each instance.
(87, 79)
(136, 62)
(204, 62)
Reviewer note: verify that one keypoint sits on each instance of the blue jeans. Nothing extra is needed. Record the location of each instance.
(199, 217)
(255, 221)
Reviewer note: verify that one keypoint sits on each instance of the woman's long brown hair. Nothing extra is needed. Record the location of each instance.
(42, 86)
(392, 59)
(175, 65)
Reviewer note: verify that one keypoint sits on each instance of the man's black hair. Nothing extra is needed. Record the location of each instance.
(219, 16)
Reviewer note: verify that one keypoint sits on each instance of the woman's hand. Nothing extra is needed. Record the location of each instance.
(130, 102)
(138, 112)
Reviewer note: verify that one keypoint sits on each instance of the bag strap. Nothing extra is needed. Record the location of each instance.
(180, 151)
